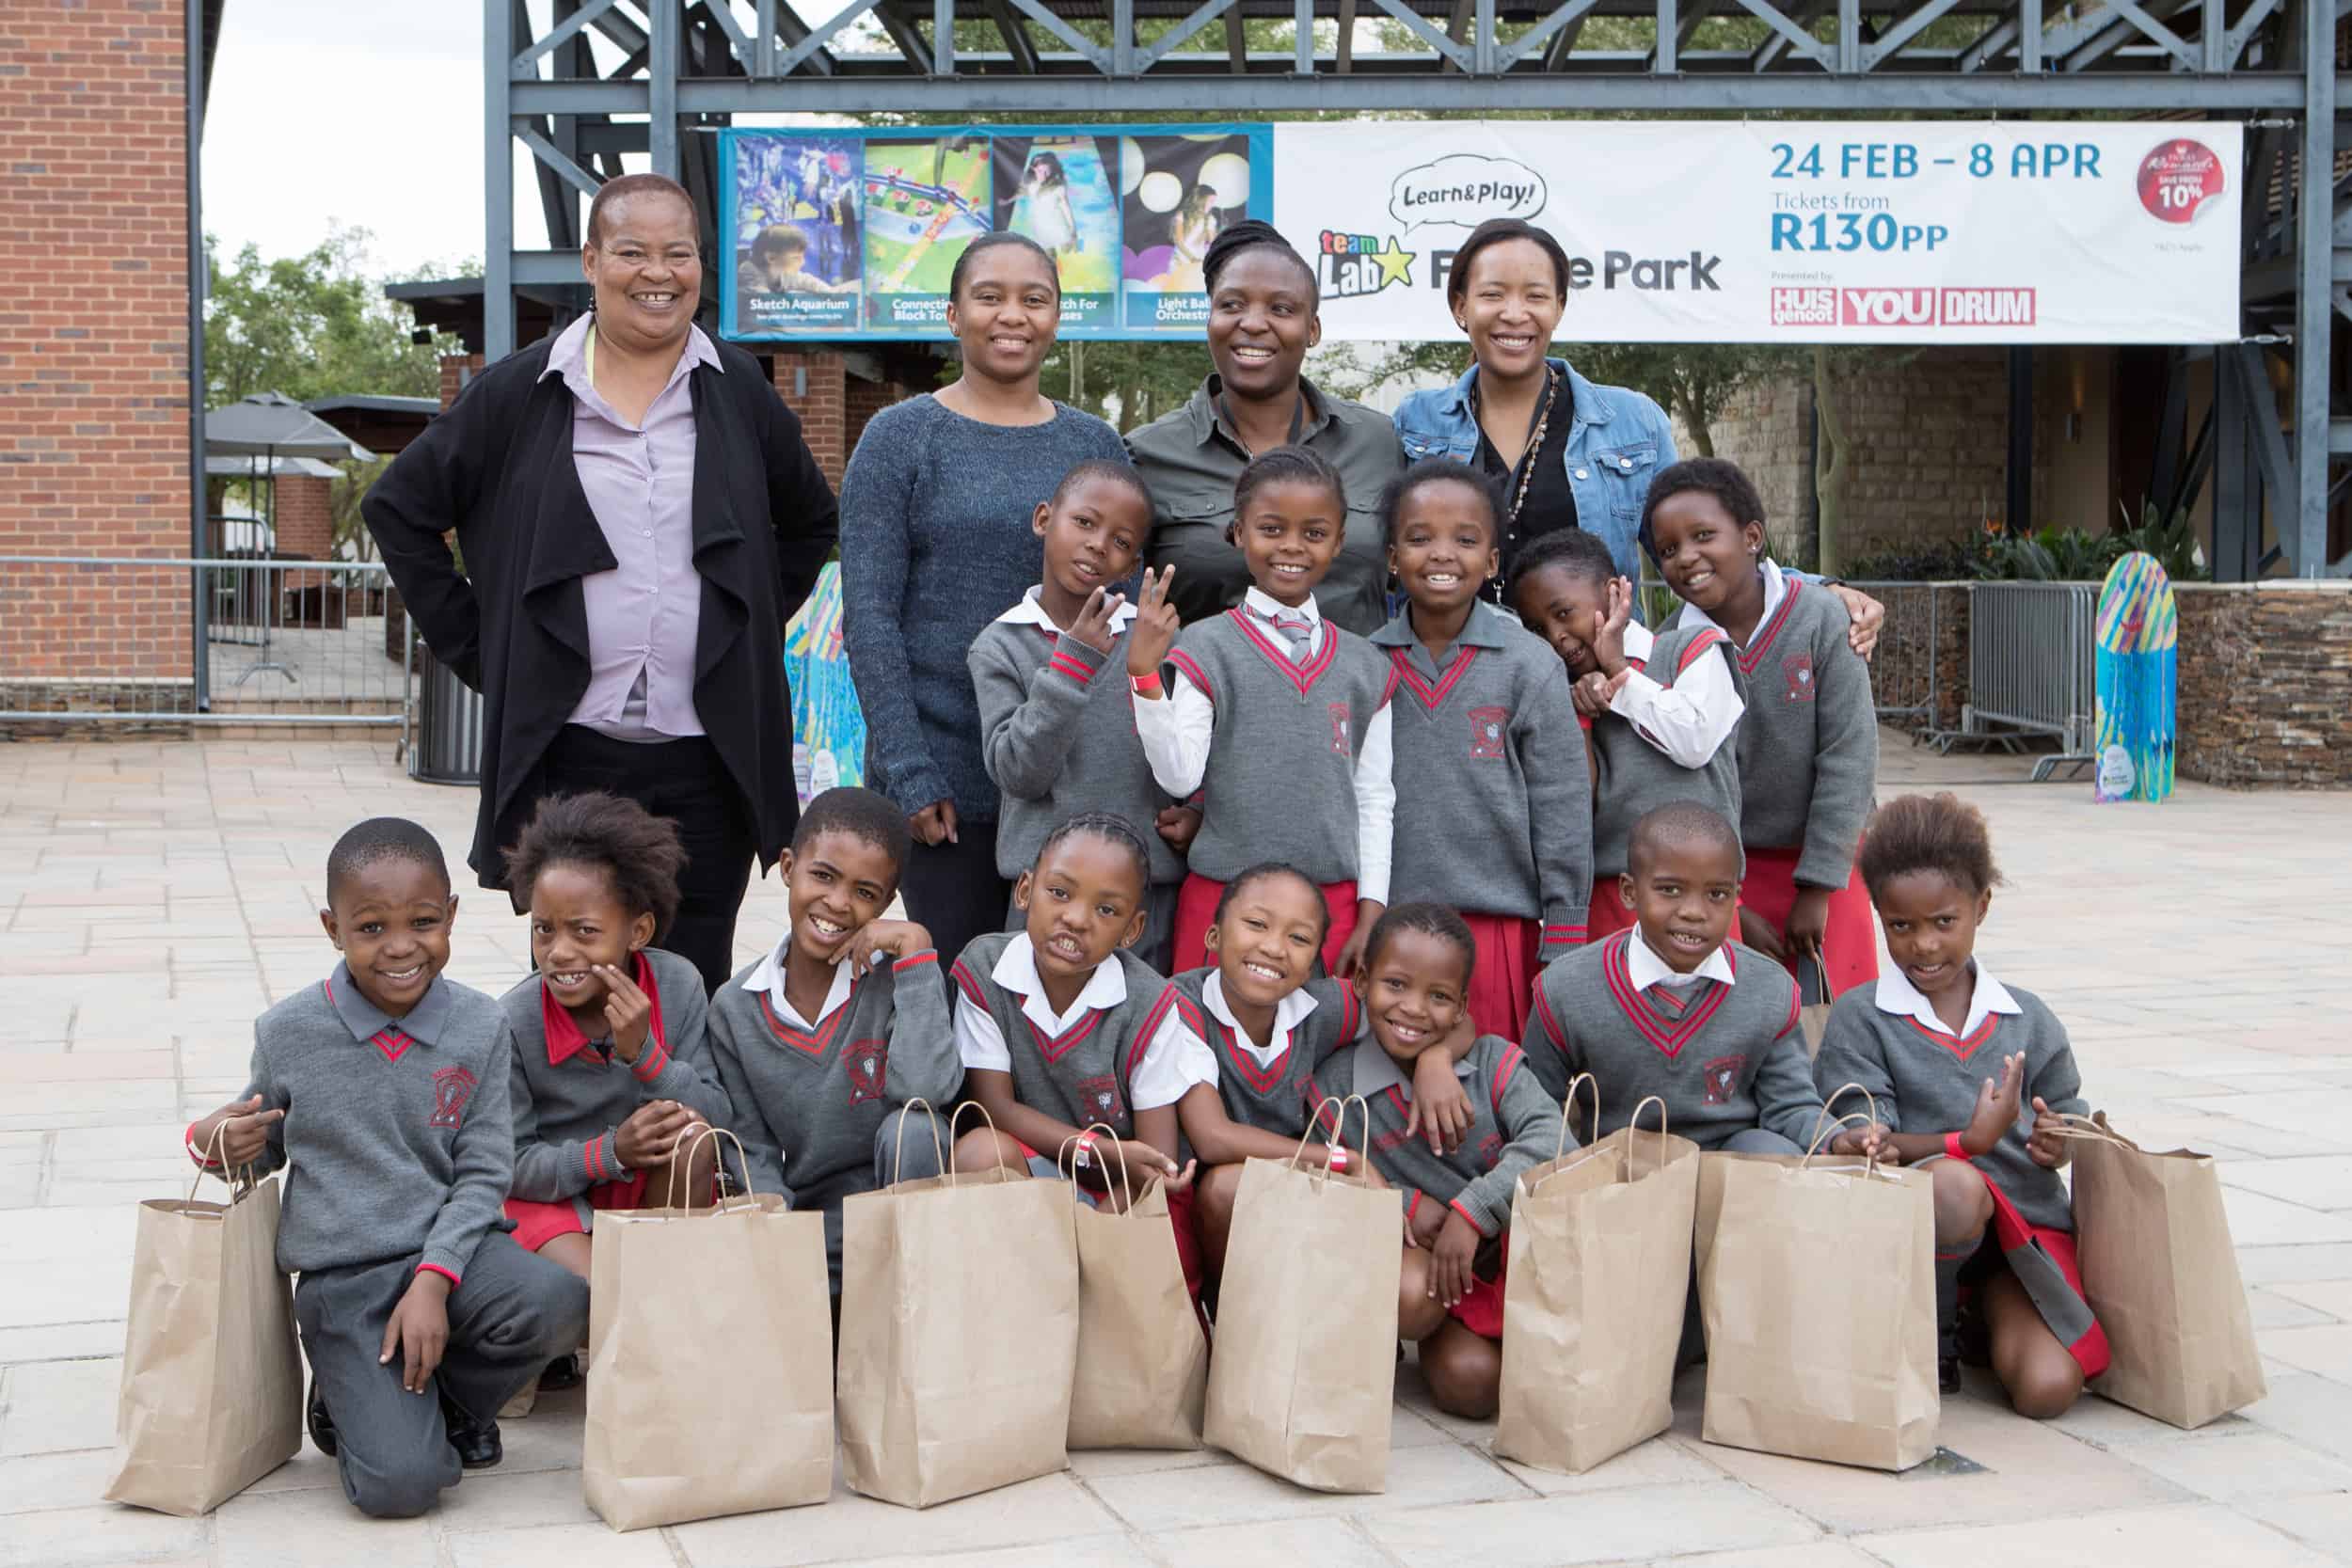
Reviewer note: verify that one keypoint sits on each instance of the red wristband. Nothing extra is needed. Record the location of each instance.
(1144, 686)
(1336, 1160)
(1085, 1151)
(1953, 1148)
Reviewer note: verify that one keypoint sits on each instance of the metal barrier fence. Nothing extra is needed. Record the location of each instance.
(2031, 654)
(1902, 667)
(118, 639)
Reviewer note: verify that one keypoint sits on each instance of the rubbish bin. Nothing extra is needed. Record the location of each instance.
(448, 725)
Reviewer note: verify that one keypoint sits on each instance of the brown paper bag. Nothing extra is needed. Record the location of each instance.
(2161, 1275)
(1304, 1375)
(709, 1360)
(1593, 1297)
(210, 1399)
(1817, 1286)
(958, 1333)
(1143, 1363)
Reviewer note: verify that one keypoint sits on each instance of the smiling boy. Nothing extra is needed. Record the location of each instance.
(384, 1091)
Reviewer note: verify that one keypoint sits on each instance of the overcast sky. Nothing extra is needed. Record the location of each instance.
(318, 119)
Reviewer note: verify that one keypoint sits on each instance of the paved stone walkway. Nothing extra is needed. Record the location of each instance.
(154, 897)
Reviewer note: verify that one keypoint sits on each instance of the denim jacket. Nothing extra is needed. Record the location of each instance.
(1617, 441)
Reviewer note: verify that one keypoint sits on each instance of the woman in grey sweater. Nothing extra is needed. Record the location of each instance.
(935, 544)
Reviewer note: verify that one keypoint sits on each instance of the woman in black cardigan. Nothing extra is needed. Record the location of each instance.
(587, 476)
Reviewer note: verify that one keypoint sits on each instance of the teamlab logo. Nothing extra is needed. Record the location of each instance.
(1349, 267)
(1899, 309)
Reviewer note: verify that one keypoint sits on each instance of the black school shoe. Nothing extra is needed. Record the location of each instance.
(477, 1442)
(321, 1425)
(1947, 1361)
(562, 1373)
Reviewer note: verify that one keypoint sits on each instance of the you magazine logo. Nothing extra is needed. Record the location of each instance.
(1903, 306)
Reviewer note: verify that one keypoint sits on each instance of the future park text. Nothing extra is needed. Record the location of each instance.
(1622, 269)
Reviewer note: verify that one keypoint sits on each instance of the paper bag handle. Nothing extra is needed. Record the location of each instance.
(1339, 1129)
(682, 1159)
(1634, 1120)
(1125, 1180)
(240, 1181)
(2095, 1128)
(1822, 1123)
(899, 1145)
(1822, 1134)
(955, 1119)
(1567, 1109)
(1821, 976)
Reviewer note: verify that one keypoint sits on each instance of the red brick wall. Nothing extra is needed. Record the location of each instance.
(823, 407)
(457, 370)
(866, 398)
(306, 517)
(93, 363)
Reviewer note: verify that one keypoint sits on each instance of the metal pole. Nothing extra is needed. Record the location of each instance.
(2020, 441)
(498, 184)
(661, 61)
(2314, 229)
(192, 44)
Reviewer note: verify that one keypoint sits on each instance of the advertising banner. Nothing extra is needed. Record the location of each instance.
(1786, 231)
(845, 234)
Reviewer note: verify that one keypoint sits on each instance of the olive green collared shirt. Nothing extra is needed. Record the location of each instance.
(1189, 460)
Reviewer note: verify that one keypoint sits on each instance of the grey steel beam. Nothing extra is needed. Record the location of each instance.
(551, 159)
(763, 60)
(526, 65)
(817, 37)
(1879, 48)
(942, 38)
(1163, 91)
(1792, 35)
(1804, 13)
(1237, 42)
(1037, 13)
(1661, 59)
(2242, 31)
(498, 181)
(1016, 36)
(2111, 30)
(1421, 29)
(538, 268)
(1566, 19)
(2315, 312)
(794, 32)
(661, 74)
(2029, 37)
(901, 31)
(1302, 38)
(1208, 11)
(723, 17)
(2156, 32)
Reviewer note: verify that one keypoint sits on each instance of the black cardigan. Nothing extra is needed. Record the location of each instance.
(497, 467)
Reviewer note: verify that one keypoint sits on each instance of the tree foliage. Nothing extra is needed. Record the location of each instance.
(310, 326)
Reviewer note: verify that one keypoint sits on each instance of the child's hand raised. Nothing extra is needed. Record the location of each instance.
(1609, 645)
(2048, 1143)
(627, 1010)
(1156, 622)
(1996, 1108)
(886, 939)
(1093, 625)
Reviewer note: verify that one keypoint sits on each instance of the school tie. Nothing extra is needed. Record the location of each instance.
(1296, 631)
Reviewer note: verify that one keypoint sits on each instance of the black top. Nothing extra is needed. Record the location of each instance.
(1549, 504)
(497, 467)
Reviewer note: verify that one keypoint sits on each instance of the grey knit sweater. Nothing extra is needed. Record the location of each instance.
(1724, 1058)
(1280, 784)
(1923, 1081)
(1058, 737)
(1087, 1074)
(807, 1102)
(570, 1099)
(1515, 1124)
(1633, 778)
(935, 544)
(1272, 1099)
(397, 1131)
(1491, 760)
(1809, 740)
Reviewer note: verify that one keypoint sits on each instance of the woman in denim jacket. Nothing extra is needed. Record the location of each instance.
(1563, 452)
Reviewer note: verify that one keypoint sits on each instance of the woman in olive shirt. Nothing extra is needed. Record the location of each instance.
(1261, 322)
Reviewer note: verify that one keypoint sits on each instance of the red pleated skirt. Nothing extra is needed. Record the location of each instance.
(1850, 945)
(1503, 987)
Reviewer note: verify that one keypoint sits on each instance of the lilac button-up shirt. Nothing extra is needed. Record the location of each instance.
(644, 614)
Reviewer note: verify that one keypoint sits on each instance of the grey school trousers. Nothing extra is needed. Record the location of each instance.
(511, 1314)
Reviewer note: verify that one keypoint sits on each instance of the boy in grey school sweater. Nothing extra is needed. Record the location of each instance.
(1634, 775)
(1671, 1008)
(818, 1090)
(1489, 754)
(1058, 732)
(382, 1090)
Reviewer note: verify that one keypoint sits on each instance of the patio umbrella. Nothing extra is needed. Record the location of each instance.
(271, 424)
